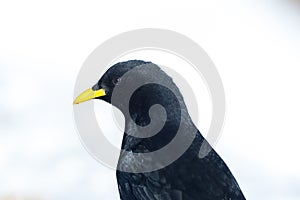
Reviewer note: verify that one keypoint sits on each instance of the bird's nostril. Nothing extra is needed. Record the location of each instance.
(96, 87)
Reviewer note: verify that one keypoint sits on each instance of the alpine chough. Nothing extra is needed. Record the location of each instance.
(190, 177)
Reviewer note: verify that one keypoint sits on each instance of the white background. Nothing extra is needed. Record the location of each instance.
(254, 44)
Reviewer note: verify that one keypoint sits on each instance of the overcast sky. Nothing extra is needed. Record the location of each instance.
(254, 44)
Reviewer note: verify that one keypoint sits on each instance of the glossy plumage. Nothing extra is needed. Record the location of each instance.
(189, 177)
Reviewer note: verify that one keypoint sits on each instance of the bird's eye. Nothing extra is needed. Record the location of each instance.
(115, 81)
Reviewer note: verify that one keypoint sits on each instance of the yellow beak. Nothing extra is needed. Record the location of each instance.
(88, 95)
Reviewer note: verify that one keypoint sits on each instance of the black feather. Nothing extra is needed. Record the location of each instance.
(189, 177)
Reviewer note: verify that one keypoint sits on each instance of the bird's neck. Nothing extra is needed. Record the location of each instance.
(155, 116)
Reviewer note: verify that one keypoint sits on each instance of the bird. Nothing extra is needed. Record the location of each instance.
(190, 176)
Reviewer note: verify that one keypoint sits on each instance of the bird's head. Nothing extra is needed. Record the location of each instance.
(104, 88)
(151, 103)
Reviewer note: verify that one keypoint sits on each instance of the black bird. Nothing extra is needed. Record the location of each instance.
(190, 177)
